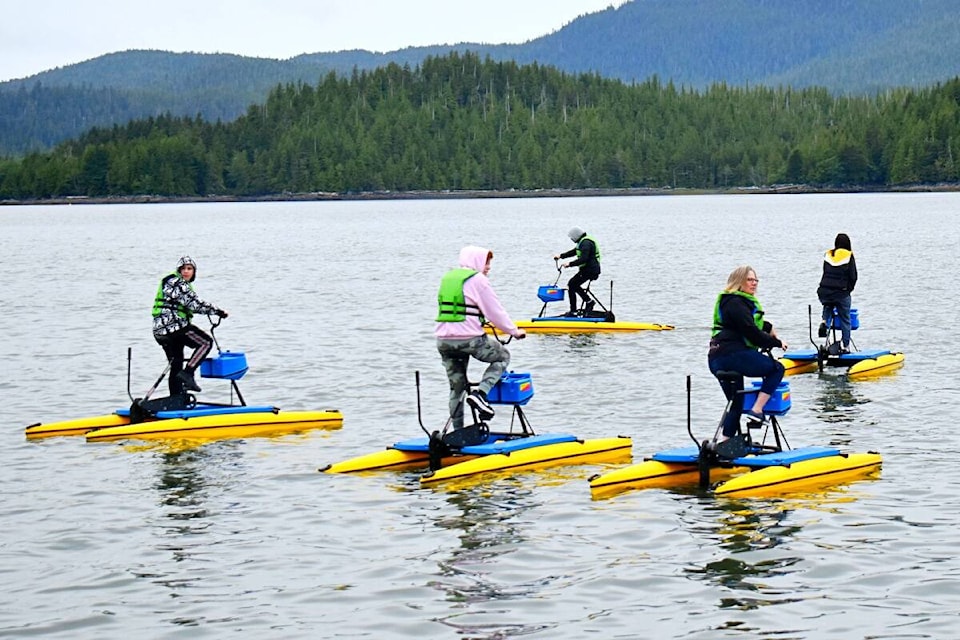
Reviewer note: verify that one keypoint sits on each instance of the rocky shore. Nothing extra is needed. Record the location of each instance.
(472, 194)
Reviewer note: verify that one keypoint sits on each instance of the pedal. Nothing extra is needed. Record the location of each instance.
(735, 447)
(467, 436)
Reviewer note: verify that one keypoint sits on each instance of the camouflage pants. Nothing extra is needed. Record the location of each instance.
(455, 355)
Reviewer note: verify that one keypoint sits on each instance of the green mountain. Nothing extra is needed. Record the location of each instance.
(460, 123)
(846, 46)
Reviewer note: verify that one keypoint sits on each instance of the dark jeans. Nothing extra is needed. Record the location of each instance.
(843, 314)
(173, 345)
(750, 363)
(575, 288)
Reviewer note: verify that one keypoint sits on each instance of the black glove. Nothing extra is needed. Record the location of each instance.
(221, 313)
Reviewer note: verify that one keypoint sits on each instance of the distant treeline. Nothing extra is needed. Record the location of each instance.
(458, 122)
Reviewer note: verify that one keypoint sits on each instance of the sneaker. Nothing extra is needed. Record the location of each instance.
(589, 306)
(189, 384)
(478, 402)
(570, 314)
(754, 417)
(822, 331)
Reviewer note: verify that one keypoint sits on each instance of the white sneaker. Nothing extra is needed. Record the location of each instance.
(480, 405)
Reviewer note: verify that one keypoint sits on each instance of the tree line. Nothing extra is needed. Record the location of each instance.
(459, 122)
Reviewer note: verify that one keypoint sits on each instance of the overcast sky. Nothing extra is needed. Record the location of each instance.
(36, 35)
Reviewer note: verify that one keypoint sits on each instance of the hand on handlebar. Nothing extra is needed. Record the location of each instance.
(521, 334)
(221, 313)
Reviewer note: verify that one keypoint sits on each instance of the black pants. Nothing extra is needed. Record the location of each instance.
(173, 345)
(574, 288)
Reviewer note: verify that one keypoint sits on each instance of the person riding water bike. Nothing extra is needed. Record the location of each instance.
(588, 259)
(466, 301)
(173, 309)
(739, 333)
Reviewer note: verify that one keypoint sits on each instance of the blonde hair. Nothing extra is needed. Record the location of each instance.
(738, 278)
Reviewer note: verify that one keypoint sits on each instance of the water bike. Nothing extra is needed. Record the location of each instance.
(742, 465)
(592, 316)
(182, 416)
(830, 354)
(476, 449)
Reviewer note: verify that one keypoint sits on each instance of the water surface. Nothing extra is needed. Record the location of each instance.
(333, 304)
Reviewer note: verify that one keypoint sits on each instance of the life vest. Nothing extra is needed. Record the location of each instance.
(452, 304)
(718, 325)
(160, 302)
(596, 247)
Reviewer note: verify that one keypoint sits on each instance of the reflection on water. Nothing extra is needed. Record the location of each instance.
(486, 520)
(749, 535)
(838, 399)
(490, 521)
(580, 344)
(190, 479)
(182, 489)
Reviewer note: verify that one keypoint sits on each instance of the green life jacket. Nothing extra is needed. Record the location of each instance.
(596, 247)
(453, 305)
(718, 325)
(160, 302)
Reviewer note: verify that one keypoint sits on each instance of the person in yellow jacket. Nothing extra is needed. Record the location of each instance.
(836, 284)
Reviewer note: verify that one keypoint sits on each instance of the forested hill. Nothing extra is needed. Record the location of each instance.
(461, 123)
(846, 46)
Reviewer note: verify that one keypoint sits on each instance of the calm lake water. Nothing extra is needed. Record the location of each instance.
(333, 304)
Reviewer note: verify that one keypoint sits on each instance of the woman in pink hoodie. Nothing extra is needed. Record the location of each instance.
(466, 302)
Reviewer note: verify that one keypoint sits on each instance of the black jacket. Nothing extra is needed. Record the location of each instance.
(588, 263)
(838, 280)
(738, 326)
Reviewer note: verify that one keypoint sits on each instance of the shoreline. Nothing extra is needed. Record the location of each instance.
(321, 196)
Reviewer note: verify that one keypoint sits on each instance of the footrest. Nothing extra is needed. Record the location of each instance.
(506, 446)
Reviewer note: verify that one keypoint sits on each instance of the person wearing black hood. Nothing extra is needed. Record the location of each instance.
(836, 284)
(588, 259)
(173, 309)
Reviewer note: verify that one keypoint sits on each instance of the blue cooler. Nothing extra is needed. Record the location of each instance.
(854, 320)
(231, 365)
(550, 293)
(779, 402)
(512, 388)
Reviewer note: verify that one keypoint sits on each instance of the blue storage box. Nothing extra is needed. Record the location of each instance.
(854, 320)
(512, 388)
(231, 365)
(779, 402)
(550, 293)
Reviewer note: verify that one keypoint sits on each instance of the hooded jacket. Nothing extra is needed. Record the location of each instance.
(588, 256)
(477, 292)
(175, 304)
(839, 275)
